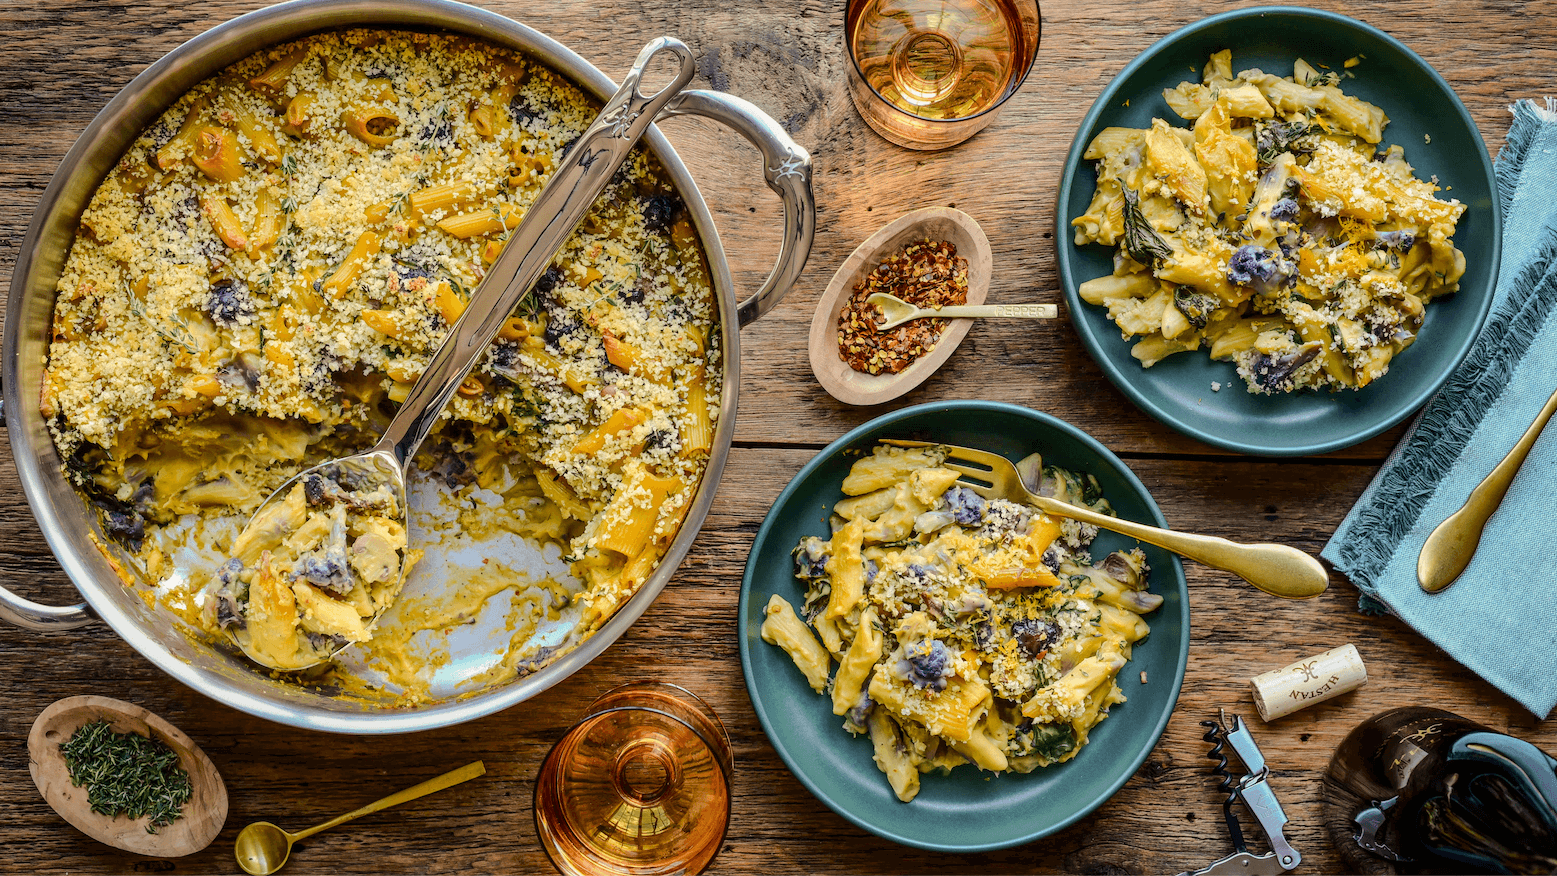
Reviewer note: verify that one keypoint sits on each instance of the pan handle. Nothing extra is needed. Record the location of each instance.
(41, 618)
(787, 167)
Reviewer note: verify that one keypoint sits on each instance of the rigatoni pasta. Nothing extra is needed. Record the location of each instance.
(1274, 230)
(965, 630)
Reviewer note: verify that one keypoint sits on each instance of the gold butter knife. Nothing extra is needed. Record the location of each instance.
(1448, 550)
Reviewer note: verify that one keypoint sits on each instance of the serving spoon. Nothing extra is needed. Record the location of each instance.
(586, 168)
(897, 311)
(263, 848)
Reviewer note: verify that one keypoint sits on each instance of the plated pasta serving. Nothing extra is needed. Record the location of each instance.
(1276, 232)
(964, 630)
(267, 271)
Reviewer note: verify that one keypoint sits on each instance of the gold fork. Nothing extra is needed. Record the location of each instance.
(1274, 568)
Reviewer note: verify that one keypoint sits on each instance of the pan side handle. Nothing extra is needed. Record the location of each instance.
(35, 616)
(787, 168)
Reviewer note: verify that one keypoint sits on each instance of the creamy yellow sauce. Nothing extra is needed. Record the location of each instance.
(491, 599)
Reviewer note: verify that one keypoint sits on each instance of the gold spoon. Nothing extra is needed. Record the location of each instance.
(897, 311)
(263, 847)
(1448, 550)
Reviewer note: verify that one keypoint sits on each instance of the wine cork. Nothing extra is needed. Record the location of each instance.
(1281, 692)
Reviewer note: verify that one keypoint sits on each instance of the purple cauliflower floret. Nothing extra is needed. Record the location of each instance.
(926, 663)
(810, 559)
(966, 506)
(229, 303)
(1258, 268)
(983, 635)
(1284, 210)
(327, 571)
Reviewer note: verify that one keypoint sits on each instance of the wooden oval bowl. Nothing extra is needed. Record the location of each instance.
(934, 223)
(203, 815)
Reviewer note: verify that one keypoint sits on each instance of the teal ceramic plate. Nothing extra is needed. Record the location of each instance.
(1420, 105)
(965, 811)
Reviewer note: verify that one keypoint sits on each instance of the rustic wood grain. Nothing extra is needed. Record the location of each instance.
(66, 59)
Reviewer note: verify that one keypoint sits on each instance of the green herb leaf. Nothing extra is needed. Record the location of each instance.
(1053, 741)
(1197, 307)
(1273, 138)
(1141, 240)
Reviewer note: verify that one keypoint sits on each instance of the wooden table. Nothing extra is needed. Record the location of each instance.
(65, 60)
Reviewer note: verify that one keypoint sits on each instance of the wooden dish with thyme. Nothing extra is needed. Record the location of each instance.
(169, 799)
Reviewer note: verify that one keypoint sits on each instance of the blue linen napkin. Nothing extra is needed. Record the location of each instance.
(1500, 617)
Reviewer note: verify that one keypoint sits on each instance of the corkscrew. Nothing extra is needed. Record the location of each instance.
(1253, 790)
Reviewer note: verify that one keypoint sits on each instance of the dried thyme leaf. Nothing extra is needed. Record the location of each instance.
(127, 774)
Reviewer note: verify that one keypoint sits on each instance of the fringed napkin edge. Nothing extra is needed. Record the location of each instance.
(1437, 437)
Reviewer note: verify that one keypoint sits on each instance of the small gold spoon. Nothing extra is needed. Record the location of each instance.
(263, 847)
(897, 311)
(1448, 550)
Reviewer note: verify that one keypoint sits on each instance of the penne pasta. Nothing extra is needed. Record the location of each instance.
(262, 143)
(373, 125)
(224, 220)
(697, 434)
(1270, 233)
(446, 198)
(298, 121)
(272, 82)
(498, 219)
(268, 220)
(628, 523)
(981, 609)
(782, 627)
(367, 246)
(619, 422)
(182, 143)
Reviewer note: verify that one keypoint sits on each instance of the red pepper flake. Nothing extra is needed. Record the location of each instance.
(925, 273)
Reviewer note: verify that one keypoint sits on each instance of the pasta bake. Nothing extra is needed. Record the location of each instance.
(1274, 232)
(267, 271)
(311, 573)
(964, 630)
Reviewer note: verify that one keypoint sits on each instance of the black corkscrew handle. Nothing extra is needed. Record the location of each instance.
(1216, 736)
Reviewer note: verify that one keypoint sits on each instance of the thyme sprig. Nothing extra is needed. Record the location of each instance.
(127, 774)
(177, 335)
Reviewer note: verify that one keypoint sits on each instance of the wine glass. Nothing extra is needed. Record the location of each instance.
(928, 74)
(640, 785)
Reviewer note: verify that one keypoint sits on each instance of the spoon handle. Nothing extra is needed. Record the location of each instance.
(585, 170)
(1277, 569)
(1448, 550)
(453, 777)
(1005, 311)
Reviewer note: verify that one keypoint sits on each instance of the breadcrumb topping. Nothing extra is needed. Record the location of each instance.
(269, 268)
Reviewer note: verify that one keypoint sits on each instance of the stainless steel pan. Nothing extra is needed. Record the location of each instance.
(68, 524)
